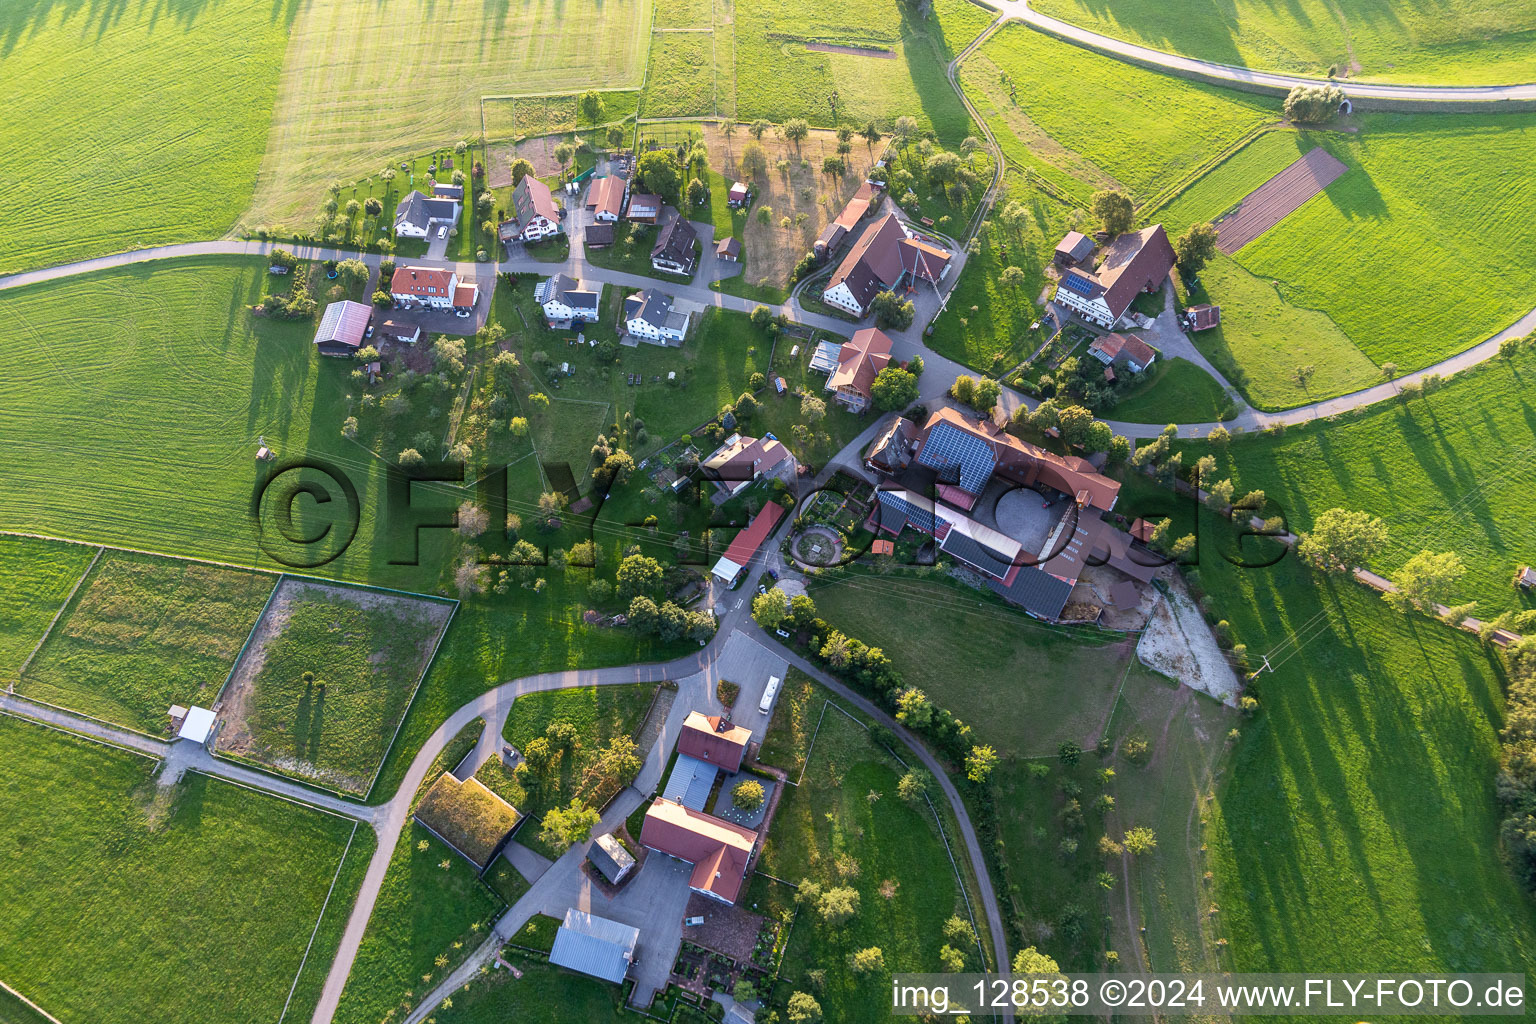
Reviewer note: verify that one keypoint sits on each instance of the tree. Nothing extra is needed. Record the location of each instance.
(942, 168)
(913, 708)
(518, 427)
(521, 168)
(758, 128)
(754, 162)
(638, 575)
(1389, 369)
(893, 388)
(748, 795)
(448, 355)
(550, 505)
(904, 130)
(838, 905)
(473, 520)
(867, 960)
(615, 469)
(913, 786)
(833, 166)
(1113, 209)
(1119, 450)
(979, 764)
(1140, 840)
(563, 154)
(615, 137)
(795, 130)
(1073, 421)
(1195, 248)
(762, 318)
(698, 192)
(1032, 961)
(410, 457)
(1069, 753)
(959, 931)
(1099, 438)
(539, 400)
(349, 428)
(803, 1009)
(980, 395)
(1219, 436)
(1310, 104)
(564, 826)
(1302, 374)
(771, 609)
(592, 105)
(1013, 277)
(1341, 540)
(812, 409)
(1425, 580)
(951, 959)
(659, 172)
(352, 271)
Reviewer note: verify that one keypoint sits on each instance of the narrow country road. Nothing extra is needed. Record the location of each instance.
(1019, 10)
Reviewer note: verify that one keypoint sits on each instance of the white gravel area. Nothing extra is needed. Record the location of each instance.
(1178, 643)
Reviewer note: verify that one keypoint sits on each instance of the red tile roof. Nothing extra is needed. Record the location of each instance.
(1116, 345)
(1132, 263)
(532, 199)
(714, 739)
(881, 255)
(422, 281)
(718, 850)
(861, 358)
(749, 540)
(607, 195)
(1066, 473)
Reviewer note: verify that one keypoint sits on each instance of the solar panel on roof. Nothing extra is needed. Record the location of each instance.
(1079, 284)
(948, 447)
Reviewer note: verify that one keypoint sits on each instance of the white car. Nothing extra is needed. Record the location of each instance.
(462, 314)
(783, 633)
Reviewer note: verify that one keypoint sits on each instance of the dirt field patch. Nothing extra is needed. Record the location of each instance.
(852, 51)
(798, 191)
(1178, 643)
(326, 679)
(1277, 199)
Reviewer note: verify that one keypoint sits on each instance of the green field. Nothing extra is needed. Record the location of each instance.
(413, 76)
(144, 124)
(544, 995)
(1175, 391)
(511, 117)
(845, 825)
(424, 911)
(327, 680)
(1220, 190)
(1445, 42)
(112, 889)
(36, 577)
(676, 82)
(144, 633)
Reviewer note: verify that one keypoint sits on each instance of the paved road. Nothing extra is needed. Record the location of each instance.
(1019, 10)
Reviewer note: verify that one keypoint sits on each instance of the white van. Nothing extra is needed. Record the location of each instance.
(771, 692)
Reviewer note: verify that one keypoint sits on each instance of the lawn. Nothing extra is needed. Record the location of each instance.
(144, 125)
(340, 119)
(543, 995)
(431, 913)
(679, 81)
(1083, 121)
(144, 633)
(1447, 42)
(223, 887)
(845, 825)
(36, 578)
(516, 116)
(1175, 391)
(327, 678)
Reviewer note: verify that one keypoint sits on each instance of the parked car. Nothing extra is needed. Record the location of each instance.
(462, 314)
(783, 633)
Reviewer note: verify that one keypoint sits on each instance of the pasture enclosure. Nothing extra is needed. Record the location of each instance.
(327, 677)
(36, 579)
(118, 886)
(143, 633)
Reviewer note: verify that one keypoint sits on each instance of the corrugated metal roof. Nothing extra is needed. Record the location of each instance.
(594, 945)
(690, 782)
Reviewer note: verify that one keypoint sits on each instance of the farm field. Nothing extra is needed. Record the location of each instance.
(1224, 185)
(326, 679)
(340, 119)
(677, 83)
(223, 886)
(1447, 42)
(36, 577)
(833, 830)
(513, 117)
(147, 124)
(143, 633)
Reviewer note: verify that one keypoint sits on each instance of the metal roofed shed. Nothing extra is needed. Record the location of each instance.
(826, 356)
(594, 946)
(608, 855)
(197, 725)
(690, 782)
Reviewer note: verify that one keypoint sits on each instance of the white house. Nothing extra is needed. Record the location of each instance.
(1137, 261)
(1127, 351)
(535, 216)
(418, 215)
(649, 315)
(565, 301)
(433, 288)
(883, 258)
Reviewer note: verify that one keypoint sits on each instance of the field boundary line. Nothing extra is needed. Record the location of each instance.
(425, 670)
(57, 616)
(34, 1007)
(328, 893)
(249, 634)
(193, 769)
(89, 718)
(252, 765)
(1166, 197)
(80, 736)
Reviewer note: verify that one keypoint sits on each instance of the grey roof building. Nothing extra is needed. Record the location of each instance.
(690, 782)
(610, 857)
(417, 212)
(595, 946)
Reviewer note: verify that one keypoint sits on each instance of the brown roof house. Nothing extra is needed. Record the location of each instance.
(728, 249)
(1137, 261)
(1123, 350)
(892, 451)
(605, 197)
(644, 207)
(1203, 317)
(718, 850)
(854, 211)
(535, 216)
(883, 259)
(342, 328)
(714, 739)
(862, 357)
(433, 287)
(675, 248)
(741, 460)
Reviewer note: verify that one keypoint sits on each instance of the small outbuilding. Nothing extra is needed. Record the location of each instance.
(594, 946)
(197, 725)
(737, 196)
(1203, 317)
(1074, 248)
(609, 856)
(728, 249)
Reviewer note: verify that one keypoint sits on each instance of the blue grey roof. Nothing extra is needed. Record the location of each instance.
(418, 210)
(651, 305)
(971, 457)
(690, 782)
(594, 945)
(1036, 591)
(569, 291)
(610, 857)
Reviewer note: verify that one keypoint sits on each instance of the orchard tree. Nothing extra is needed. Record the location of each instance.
(893, 388)
(803, 1009)
(1426, 580)
(638, 575)
(838, 905)
(1140, 840)
(1195, 248)
(1113, 209)
(1342, 539)
(592, 105)
(913, 786)
(867, 960)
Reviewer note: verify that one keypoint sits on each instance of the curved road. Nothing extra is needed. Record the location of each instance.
(1019, 10)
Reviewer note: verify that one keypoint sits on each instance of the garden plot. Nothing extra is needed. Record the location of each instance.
(326, 678)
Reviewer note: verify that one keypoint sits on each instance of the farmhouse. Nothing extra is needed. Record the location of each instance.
(891, 453)
(608, 855)
(418, 216)
(605, 198)
(854, 211)
(649, 316)
(738, 195)
(1137, 261)
(1123, 350)
(713, 739)
(594, 946)
(1074, 248)
(744, 547)
(883, 259)
(728, 249)
(644, 208)
(342, 328)
(468, 817)
(535, 216)
(718, 850)
(861, 358)
(674, 251)
(432, 287)
(741, 460)
(565, 301)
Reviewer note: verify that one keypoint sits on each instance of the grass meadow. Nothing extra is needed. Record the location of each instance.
(222, 887)
(36, 578)
(413, 78)
(1446, 42)
(543, 995)
(1175, 390)
(144, 123)
(144, 633)
(678, 81)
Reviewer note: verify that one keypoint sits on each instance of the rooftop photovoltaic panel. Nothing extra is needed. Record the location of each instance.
(1079, 284)
(948, 447)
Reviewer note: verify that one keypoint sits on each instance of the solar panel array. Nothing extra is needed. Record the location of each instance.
(948, 447)
(919, 517)
(1080, 284)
